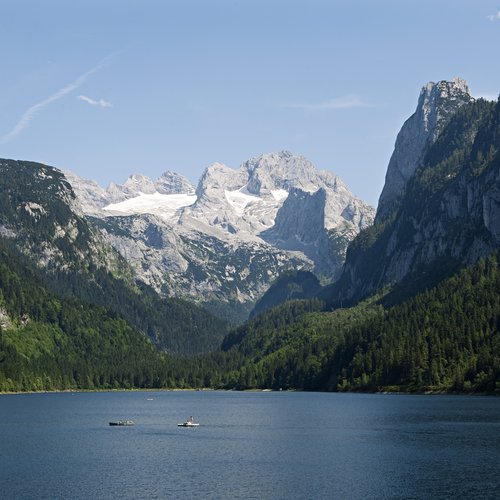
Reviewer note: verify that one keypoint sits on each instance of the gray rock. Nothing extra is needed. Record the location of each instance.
(173, 183)
(275, 213)
(436, 104)
(449, 213)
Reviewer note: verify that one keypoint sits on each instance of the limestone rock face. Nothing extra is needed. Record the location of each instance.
(302, 217)
(173, 183)
(240, 229)
(300, 225)
(91, 196)
(186, 263)
(436, 104)
(283, 170)
(449, 213)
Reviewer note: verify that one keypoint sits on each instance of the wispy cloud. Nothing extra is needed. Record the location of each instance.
(30, 113)
(494, 17)
(99, 102)
(346, 102)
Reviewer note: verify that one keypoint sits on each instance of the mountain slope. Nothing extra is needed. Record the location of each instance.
(41, 225)
(297, 285)
(39, 213)
(447, 217)
(227, 242)
(47, 343)
(437, 103)
(444, 339)
(427, 271)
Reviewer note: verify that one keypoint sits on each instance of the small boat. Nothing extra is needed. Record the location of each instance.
(122, 423)
(189, 423)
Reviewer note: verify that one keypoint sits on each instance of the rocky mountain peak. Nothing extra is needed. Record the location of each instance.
(217, 178)
(282, 170)
(443, 218)
(168, 183)
(93, 198)
(139, 183)
(277, 209)
(447, 88)
(173, 183)
(436, 104)
(460, 84)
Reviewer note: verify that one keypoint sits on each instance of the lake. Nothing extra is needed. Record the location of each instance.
(262, 445)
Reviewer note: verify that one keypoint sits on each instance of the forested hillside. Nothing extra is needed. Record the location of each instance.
(417, 307)
(49, 343)
(444, 339)
(289, 286)
(42, 228)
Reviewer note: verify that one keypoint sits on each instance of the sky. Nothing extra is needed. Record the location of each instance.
(112, 87)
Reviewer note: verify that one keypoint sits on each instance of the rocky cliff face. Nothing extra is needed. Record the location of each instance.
(239, 231)
(181, 263)
(300, 225)
(246, 201)
(301, 218)
(447, 217)
(437, 103)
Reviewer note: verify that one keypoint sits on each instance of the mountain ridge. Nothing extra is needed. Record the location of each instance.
(42, 225)
(417, 306)
(436, 104)
(459, 181)
(234, 211)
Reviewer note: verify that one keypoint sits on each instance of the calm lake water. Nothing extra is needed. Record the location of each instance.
(249, 445)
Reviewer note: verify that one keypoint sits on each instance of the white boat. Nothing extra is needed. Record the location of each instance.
(189, 423)
(122, 423)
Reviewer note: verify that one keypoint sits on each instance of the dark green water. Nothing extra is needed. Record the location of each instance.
(249, 445)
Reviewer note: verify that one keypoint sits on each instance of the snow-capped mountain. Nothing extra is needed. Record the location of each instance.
(94, 198)
(233, 235)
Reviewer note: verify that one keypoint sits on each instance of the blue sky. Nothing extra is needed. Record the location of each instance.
(111, 87)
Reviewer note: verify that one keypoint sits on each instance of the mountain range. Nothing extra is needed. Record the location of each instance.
(43, 228)
(140, 284)
(417, 305)
(222, 243)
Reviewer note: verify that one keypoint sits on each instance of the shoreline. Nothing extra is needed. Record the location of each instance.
(381, 392)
